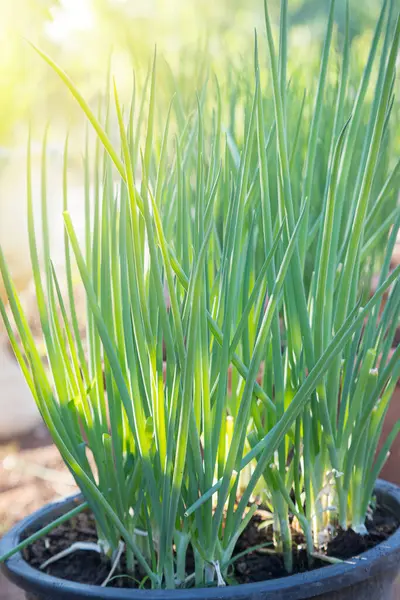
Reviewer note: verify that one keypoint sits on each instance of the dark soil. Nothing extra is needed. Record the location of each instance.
(90, 567)
(348, 543)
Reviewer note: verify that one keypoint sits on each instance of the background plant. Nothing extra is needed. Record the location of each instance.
(227, 277)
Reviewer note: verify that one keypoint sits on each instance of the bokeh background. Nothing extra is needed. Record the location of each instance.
(89, 37)
(81, 36)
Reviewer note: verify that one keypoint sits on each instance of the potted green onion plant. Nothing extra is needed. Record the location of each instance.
(222, 416)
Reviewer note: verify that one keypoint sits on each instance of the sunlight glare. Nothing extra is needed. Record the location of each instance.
(70, 16)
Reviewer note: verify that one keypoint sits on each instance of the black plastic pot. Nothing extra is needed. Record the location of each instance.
(371, 576)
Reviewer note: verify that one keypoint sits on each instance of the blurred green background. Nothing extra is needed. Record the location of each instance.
(194, 38)
(80, 34)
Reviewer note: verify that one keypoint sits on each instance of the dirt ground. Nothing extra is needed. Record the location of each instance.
(31, 474)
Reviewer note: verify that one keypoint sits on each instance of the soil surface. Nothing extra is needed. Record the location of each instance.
(259, 566)
(89, 567)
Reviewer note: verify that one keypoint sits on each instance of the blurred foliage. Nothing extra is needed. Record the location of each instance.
(18, 76)
(363, 14)
(80, 35)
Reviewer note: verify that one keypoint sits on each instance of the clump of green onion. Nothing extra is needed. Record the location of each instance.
(276, 377)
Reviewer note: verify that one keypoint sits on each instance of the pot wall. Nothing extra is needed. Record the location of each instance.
(377, 588)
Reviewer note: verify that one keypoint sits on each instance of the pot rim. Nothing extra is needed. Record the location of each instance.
(382, 557)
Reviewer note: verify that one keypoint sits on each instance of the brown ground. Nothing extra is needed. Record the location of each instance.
(31, 474)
